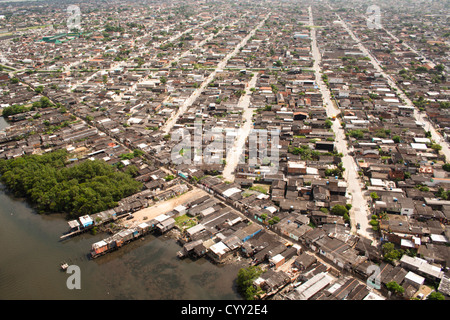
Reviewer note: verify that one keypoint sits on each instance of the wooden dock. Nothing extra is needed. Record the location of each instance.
(74, 233)
(76, 227)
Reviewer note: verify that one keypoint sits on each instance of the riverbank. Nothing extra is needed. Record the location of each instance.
(145, 269)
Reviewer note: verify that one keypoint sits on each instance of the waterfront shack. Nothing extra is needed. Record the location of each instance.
(86, 221)
(218, 252)
(74, 225)
(195, 249)
(166, 225)
(99, 247)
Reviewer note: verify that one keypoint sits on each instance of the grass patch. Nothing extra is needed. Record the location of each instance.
(185, 222)
(260, 188)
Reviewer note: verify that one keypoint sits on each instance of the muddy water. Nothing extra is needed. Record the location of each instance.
(31, 253)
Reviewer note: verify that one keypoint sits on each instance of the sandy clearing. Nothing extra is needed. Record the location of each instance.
(163, 207)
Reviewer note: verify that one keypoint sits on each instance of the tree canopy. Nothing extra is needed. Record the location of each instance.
(436, 296)
(52, 186)
(395, 287)
(44, 102)
(339, 210)
(391, 254)
(245, 279)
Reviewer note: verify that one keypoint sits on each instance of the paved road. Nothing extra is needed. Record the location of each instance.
(179, 57)
(233, 155)
(121, 63)
(189, 101)
(436, 136)
(359, 212)
(425, 59)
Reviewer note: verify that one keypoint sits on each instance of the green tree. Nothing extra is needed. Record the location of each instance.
(339, 210)
(436, 147)
(395, 287)
(274, 88)
(346, 218)
(127, 156)
(39, 89)
(421, 69)
(374, 196)
(132, 170)
(245, 279)
(357, 134)
(439, 68)
(436, 296)
(169, 177)
(44, 102)
(374, 223)
(52, 186)
(138, 153)
(390, 254)
(444, 104)
(15, 109)
(278, 63)
(441, 193)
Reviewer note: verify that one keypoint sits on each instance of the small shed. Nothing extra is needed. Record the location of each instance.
(74, 225)
(304, 261)
(277, 261)
(99, 247)
(207, 212)
(195, 229)
(180, 210)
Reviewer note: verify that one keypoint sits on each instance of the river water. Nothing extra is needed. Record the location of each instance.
(31, 254)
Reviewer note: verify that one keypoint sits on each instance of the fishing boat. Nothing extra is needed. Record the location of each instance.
(64, 266)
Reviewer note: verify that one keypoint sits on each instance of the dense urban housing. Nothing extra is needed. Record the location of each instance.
(307, 141)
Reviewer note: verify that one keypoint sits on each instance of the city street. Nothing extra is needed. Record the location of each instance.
(428, 126)
(359, 214)
(234, 154)
(222, 64)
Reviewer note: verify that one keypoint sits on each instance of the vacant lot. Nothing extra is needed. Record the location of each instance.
(164, 207)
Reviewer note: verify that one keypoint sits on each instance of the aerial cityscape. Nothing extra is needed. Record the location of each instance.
(225, 150)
